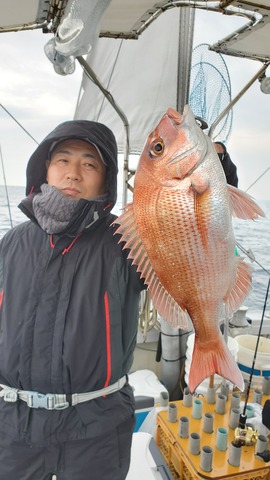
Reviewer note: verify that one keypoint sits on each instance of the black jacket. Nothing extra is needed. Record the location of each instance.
(229, 167)
(68, 319)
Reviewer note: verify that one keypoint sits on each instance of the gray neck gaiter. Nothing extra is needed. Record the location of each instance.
(53, 210)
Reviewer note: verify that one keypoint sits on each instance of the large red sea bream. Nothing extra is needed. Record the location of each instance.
(180, 235)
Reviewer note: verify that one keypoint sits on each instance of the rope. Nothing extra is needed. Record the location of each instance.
(148, 318)
(260, 176)
(4, 176)
(251, 256)
(20, 125)
(5, 184)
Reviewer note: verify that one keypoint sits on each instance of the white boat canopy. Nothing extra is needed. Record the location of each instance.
(128, 19)
(77, 24)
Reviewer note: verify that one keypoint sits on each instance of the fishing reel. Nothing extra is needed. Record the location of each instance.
(246, 435)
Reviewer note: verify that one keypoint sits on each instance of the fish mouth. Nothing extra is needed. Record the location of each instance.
(197, 140)
(177, 118)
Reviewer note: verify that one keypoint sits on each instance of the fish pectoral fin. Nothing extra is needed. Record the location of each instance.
(240, 289)
(209, 359)
(243, 205)
(199, 182)
(167, 307)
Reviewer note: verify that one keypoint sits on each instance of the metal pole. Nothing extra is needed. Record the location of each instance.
(240, 94)
(91, 74)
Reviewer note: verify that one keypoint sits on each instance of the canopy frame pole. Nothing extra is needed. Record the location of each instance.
(235, 100)
(91, 74)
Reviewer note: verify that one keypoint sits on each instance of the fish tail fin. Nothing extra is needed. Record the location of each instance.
(207, 361)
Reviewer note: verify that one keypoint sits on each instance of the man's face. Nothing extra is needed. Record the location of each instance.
(76, 169)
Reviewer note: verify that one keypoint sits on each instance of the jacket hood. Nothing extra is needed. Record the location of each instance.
(94, 132)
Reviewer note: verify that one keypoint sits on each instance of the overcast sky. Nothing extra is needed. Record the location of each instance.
(40, 99)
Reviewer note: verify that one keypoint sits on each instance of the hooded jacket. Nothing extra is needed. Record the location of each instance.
(229, 167)
(68, 308)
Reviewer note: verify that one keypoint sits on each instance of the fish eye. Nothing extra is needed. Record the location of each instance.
(157, 147)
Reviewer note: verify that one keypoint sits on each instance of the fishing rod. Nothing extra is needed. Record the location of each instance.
(241, 432)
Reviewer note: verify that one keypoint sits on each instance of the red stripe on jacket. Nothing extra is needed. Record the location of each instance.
(108, 339)
(1, 297)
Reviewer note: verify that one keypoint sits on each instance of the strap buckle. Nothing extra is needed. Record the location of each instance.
(48, 401)
(10, 395)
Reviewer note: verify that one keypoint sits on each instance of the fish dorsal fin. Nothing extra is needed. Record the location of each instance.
(167, 307)
(241, 287)
(243, 205)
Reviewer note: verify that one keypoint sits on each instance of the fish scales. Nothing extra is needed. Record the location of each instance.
(183, 242)
(171, 253)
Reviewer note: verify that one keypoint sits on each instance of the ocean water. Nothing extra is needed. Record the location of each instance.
(250, 235)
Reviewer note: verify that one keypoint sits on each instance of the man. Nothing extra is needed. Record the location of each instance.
(229, 167)
(68, 315)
